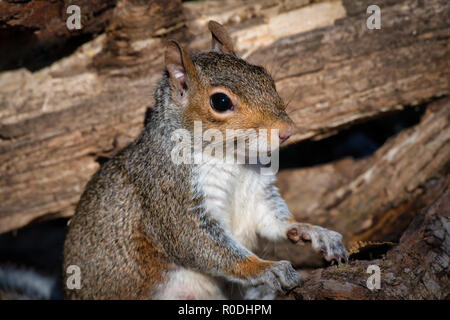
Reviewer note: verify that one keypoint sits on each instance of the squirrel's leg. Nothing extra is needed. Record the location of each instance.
(186, 284)
(205, 246)
(277, 223)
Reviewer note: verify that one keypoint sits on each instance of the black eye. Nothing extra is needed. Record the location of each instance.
(220, 102)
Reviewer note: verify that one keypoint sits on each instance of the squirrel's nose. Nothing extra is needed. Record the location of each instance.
(284, 133)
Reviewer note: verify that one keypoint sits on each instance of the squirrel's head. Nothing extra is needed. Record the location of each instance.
(223, 91)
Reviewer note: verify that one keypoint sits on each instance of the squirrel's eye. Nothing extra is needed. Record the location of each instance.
(220, 102)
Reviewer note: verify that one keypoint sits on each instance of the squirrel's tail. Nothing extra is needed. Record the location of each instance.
(23, 284)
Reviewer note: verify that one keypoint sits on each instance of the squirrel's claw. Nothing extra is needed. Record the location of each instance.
(327, 242)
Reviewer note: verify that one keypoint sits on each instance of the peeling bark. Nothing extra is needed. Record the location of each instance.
(35, 34)
(417, 268)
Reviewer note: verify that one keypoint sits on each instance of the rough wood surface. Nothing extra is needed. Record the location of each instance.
(58, 123)
(417, 268)
(35, 33)
(376, 198)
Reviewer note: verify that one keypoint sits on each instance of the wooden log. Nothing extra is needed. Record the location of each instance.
(376, 198)
(35, 32)
(57, 124)
(417, 268)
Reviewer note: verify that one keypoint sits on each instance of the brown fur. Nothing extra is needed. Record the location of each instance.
(250, 267)
(138, 216)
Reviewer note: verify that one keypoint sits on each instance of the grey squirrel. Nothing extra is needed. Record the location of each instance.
(147, 228)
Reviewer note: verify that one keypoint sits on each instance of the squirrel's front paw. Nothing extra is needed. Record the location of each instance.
(280, 275)
(325, 241)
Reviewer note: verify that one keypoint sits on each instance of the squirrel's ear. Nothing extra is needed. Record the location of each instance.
(221, 40)
(180, 67)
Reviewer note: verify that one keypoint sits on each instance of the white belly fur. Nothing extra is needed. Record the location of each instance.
(232, 196)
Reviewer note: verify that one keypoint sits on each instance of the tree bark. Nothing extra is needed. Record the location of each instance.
(58, 123)
(35, 34)
(376, 198)
(417, 268)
